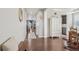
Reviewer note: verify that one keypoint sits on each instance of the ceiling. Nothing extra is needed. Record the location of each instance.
(58, 11)
(32, 11)
(50, 11)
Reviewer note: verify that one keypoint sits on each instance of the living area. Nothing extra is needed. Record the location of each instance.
(39, 29)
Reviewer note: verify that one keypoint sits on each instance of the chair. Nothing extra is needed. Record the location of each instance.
(73, 35)
(73, 41)
(10, 45)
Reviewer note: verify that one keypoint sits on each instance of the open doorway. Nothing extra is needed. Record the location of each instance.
(31, 28)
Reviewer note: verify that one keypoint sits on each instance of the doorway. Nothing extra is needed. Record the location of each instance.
(31, 29)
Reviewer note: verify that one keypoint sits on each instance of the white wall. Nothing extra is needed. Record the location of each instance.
(69, 23)
(45, 24)
(40, 24)
(76, 20)
(10, 24)
(49, 27)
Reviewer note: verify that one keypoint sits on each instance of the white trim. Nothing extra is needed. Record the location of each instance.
(40, 36)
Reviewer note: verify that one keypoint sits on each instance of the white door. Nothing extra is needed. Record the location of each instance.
(56, 27)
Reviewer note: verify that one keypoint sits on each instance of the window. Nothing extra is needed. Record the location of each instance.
(64, 22)
(64, 30)
(63, 19)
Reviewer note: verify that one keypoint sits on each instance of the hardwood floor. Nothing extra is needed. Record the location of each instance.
(42, 44)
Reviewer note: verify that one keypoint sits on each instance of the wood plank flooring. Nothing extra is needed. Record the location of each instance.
(42, 44)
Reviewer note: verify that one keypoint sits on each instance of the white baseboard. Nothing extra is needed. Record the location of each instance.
(40, 36)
